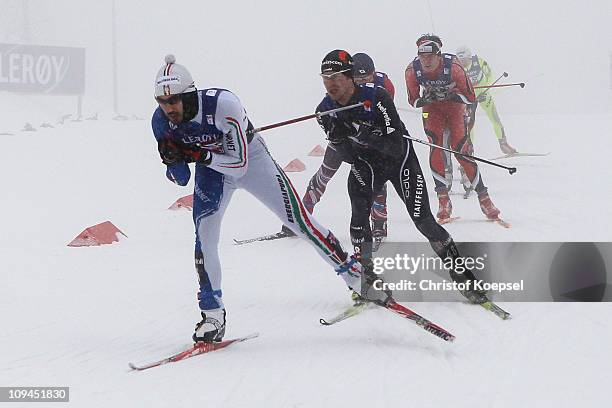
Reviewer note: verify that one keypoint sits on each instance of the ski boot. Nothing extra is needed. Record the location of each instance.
(487, 207)
(357, 298)
(505, 147)
(212, 326)
(359, 276)
(470, 292)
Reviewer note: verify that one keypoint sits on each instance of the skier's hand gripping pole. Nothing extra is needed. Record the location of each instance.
(302, 118)
(511, 170)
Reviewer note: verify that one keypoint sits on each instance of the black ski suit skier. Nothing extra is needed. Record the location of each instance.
(370, 139)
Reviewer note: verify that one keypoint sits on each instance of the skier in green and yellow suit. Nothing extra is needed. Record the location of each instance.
(480, 74)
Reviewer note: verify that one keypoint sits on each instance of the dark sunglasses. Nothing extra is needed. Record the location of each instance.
(173, 99)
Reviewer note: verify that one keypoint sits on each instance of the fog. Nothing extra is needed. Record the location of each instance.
(269, 52)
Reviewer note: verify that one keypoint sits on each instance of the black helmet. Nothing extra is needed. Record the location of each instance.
(337, 61)
(363, 64)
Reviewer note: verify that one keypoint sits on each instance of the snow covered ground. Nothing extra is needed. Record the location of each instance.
(76, 316)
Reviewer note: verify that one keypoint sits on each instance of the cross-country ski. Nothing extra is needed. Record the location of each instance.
(195, 350)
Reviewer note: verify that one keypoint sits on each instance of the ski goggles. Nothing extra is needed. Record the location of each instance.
(172, 100)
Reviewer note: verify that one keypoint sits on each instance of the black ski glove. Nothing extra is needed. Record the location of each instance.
(339, 138)
(196, 154)
(426, 99)
(440, 93)
(169, 151)
(340, 132)
(368, 136)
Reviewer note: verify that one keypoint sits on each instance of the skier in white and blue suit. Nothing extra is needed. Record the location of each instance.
(210, 128)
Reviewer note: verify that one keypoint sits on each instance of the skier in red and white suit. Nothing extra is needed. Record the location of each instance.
(446, 92)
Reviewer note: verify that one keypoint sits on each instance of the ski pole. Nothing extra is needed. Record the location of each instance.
(503, 75)
(511, 170)
(302, 118)
(521, 84)
(414, 110)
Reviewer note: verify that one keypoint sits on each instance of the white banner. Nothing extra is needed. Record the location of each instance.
(42, 69)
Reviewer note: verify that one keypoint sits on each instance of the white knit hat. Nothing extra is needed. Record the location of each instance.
(173, 78)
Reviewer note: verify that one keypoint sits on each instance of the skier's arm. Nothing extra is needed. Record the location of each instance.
(177, 169)
(231, 119)
(413, 88)
(338, 133)
(487, 78)
(385, 135)
(389, 87)
(463, 92)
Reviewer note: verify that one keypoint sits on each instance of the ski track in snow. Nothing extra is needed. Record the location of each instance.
(77, 316)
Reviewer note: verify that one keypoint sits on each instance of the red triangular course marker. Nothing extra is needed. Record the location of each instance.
(317, 151)
(295, 165)
(183, 203)
(100, 234)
